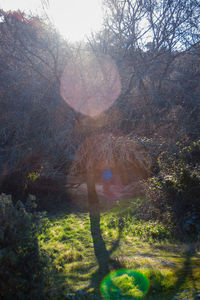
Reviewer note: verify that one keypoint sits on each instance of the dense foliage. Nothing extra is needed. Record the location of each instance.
(22, 265)
(173, 195)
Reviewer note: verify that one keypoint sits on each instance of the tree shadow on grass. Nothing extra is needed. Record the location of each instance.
(103, 256)
(105, 263)
(186, 280)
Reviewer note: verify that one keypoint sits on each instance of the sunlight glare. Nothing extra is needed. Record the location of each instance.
(76, 19)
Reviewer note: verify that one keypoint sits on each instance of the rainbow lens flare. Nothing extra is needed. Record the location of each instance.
(124, 284)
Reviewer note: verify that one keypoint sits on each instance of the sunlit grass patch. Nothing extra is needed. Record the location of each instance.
(69, 256)
(68, 241)
(160, 279)
(83, 268)
(121, 218)
(127, 284)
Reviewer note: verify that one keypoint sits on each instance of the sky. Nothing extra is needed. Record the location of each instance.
(75, 19)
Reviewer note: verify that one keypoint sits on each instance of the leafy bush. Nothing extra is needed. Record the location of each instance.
(173, 195)
(21, 263)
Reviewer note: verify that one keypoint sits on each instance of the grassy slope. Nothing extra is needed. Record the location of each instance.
(170, 267)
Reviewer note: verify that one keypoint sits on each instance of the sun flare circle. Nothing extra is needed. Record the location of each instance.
(124, 284)
(90, 83)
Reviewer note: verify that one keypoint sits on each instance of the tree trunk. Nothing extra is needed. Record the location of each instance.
(100, 251)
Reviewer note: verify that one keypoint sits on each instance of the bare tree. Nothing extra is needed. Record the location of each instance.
(33, 114)
(147, 38)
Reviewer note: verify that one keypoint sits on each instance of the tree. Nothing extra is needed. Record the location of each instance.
(146, 39)
(33, 115)
(118, 155)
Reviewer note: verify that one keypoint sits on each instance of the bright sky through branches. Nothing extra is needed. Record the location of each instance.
(75, 19)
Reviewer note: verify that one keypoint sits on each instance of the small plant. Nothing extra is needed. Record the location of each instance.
(33, 176)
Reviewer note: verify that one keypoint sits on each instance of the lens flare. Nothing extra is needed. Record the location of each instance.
(107, 174)
(90, 83)
(124, 284)
(112, 186)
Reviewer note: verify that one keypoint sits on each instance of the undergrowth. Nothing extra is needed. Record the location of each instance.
(24, 266)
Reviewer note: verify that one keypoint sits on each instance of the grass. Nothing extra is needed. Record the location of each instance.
(143, 246)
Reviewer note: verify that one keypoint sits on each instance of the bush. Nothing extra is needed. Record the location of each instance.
(173, 195)
(22, 265)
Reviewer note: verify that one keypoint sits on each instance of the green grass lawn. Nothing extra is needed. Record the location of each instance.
(171, 268)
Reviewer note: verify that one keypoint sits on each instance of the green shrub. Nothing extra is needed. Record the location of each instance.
(21, 263)
(173, 195)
